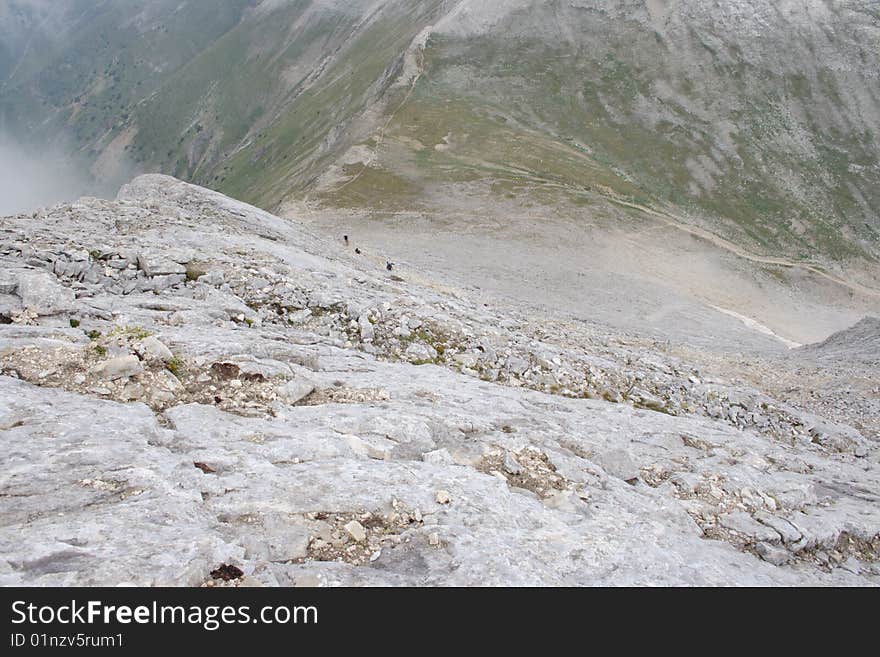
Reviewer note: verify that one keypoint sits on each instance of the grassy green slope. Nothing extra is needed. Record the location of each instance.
(253, 98)
(270, 140)
(247, 97)
(779, 154)
(96, 61)
(754, 123)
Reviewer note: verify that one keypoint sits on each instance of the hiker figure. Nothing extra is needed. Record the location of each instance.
(345, 237)
(389, 266)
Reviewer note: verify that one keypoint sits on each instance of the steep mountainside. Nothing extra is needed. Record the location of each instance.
(182, 86)
(187, 382)
(756, 121)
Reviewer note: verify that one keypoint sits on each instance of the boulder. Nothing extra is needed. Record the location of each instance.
(153, 350)
(618, 463)
(420, 353)
(296, 390)
(153, 265)
(42, 293)
(115, 369)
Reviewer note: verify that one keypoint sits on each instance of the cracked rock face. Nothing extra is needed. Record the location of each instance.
(189, 385)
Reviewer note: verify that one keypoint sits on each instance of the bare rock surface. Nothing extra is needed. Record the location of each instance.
(213, 385)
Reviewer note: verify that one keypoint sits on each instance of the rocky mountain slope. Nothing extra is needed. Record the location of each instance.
(659, 166)
(755, 121)
(188, 382)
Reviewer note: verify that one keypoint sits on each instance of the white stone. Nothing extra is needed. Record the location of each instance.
(153, 350)
(420, 353)
(115, 369)
(356, 531)
(43, 294)
(438, 457)
(296, 390)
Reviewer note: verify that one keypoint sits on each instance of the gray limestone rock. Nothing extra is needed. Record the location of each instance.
(234, 470)
(744, 524)
(618, 463)
(365, 327)
(152, 349)
(123, 367)
(42, 293)
(157, 265)
(420, 353)
(772, 554)
(296, 390)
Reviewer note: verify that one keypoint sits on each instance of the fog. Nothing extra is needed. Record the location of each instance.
(32, 177)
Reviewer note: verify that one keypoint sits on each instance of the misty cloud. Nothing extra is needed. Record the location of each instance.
(32, 177)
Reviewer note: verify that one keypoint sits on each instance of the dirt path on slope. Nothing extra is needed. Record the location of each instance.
(680, 224)
(383, 131)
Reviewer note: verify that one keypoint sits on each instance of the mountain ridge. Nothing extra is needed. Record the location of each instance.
(756, 123)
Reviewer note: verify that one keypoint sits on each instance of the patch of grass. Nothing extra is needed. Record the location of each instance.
(176, 366)
(74, 323)
(133, 332)
(194, 272)
(380, 189)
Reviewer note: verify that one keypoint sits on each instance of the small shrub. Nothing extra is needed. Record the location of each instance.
(134, 332)
(194, 272)
(176, 367)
